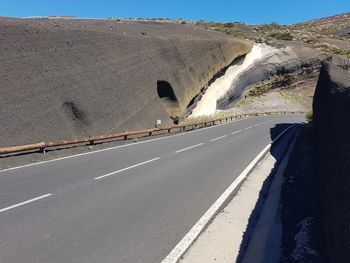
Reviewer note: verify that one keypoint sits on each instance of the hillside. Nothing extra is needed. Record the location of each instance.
(286, 78)
(336, 26)
(65, 78)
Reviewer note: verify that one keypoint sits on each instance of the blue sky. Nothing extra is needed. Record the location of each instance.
(254, 11)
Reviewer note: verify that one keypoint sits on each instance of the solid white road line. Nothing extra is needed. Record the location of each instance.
(127, 168)
(236, 132)
(248, 127)
(257, 125)
(180, 249)
(185, 149)
(24, 203)
(213, 140)
(192, 235)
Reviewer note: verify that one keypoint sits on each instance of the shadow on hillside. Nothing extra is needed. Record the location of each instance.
(277, 151)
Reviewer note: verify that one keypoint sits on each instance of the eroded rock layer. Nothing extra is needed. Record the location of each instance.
(276, 62)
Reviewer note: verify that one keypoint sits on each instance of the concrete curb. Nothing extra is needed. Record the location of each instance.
(265, 239)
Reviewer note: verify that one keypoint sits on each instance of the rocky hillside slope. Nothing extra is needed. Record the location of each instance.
(65, 78)
(284, 79)
(334, 26)
(331, 126)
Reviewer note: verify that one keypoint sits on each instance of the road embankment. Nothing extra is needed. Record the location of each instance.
(331, 150)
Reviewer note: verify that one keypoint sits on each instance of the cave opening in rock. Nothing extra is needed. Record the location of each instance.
(165, 91)
(169, 100)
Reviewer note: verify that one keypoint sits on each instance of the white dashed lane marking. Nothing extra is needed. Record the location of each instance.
(24, 203)
(221, 137)
(127, 168)
(236, 132)
(191, 147)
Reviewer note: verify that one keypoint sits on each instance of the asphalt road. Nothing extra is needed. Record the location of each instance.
(131, 203)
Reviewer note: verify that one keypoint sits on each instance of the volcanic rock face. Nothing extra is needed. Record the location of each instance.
(64, 78)
(331, 126)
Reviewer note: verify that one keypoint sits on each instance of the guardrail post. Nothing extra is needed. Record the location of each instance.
(169, 130)
(125, 137)
(42, 150)
(91, 142)
(150, 134)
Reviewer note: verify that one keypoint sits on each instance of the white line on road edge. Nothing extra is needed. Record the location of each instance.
(185, 149)
(248, 127)
(197, 229)
(24, 203)
(213, 140)
(257, 125)
(127, 168)
(236, 132)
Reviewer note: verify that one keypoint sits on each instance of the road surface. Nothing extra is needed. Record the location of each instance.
(131, 203)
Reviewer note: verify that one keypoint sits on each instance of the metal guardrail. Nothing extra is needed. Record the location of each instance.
(42, 146)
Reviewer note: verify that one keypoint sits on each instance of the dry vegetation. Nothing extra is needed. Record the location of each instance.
(317, 33)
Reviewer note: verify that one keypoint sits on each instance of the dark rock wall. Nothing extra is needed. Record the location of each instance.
(331, 125)
(66, 78)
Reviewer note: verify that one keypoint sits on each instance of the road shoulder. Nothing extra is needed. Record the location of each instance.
(228, 236)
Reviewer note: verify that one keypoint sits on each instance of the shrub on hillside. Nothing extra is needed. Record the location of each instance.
(281, 35)
(269, 27)
(309, 116)
(228, 24)
(284, 81)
